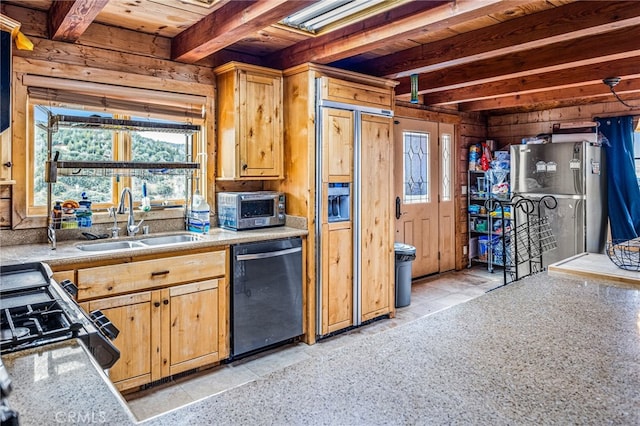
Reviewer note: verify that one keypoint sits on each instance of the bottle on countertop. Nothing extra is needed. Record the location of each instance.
(198, 219)
(84, 213)
(56, 215)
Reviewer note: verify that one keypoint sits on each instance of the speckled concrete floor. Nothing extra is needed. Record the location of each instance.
(545, 350)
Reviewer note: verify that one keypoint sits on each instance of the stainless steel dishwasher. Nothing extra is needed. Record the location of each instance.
(266, 294)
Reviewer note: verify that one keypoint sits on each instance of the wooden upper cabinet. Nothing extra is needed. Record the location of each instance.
(337, 90)
(250, 129)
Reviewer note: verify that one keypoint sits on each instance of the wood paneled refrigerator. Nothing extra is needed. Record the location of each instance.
(354, 155)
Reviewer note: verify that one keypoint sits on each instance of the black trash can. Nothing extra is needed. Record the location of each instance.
(405, 255)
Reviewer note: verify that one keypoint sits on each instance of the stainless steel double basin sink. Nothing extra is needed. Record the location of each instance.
(143, 242)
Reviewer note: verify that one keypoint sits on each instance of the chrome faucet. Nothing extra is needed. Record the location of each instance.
(132, 228)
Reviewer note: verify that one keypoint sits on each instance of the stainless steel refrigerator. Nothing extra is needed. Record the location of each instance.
(573, 173)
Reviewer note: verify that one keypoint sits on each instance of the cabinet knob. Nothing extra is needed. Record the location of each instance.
(165, 301)
(245, 166)
(156, 304)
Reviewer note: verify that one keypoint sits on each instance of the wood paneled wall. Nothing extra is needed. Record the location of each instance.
(510, 129)
(102, 55)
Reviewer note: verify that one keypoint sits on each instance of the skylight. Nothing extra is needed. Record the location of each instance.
(328, 13)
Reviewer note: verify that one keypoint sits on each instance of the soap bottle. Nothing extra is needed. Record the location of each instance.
(84, 213)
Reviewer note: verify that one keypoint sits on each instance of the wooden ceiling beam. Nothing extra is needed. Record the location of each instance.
(229, 24)
(385, 28)
(68, 20)
(618, 44)
(581, 92)
(566, 78)
(528, 32)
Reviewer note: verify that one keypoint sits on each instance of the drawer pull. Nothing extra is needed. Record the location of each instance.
(158, 273)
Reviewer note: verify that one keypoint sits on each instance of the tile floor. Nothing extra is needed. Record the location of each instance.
(428, 295)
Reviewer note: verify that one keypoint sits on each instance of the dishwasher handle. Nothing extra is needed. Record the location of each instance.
(266, 255)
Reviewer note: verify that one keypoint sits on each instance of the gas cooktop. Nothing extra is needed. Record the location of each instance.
(35, 310)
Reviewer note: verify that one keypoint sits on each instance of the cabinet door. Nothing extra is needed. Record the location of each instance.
(376, 235)
(337, 237)
(190, 326)
(260, 130)
(337, 145)
(137, 318)
(337, 277)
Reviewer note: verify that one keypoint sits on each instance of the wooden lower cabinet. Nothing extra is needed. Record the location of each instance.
(190, 323)
(164, 330)
(137, 316)
(337, 277)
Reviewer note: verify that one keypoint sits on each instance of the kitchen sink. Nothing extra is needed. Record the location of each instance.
(146, 241)
(110, 245)
(161, 240)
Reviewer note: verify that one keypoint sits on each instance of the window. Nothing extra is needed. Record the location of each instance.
(102, 145)
(416, 167)
(445, 163)
(326, 15)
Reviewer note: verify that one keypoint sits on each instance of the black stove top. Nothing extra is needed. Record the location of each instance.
(35, 310)
(33, 317)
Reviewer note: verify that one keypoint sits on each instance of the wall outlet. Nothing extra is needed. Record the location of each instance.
(464, 189)
(465, 250)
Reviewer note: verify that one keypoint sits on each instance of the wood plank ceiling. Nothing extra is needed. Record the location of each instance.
(471, 55)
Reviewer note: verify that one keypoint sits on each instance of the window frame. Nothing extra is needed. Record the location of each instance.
(197, 98)
(122, 146)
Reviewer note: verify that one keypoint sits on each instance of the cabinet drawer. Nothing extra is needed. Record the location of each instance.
(136, 276)
(354, 93)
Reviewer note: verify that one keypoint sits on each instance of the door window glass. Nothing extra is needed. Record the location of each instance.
(446, 166)
(416, 167)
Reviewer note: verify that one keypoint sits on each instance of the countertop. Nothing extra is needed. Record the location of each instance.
(544, 350)
(596, 266)
(60, 383)
(67, 252)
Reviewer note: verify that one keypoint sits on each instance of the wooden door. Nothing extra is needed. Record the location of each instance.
(337, 237)
(376, 232)
(260, 124)
(424, 173)
(416, 185)
(137, 318)
(190, 326)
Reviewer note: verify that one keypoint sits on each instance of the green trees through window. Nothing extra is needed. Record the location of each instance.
(101, 145)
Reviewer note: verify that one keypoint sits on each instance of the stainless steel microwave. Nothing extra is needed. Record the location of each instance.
(248, 210)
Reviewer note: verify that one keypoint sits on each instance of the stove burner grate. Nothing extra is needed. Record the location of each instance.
(23, 325)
